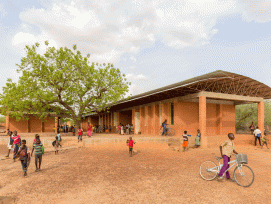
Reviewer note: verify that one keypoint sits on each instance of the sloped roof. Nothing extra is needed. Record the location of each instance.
(217, 81)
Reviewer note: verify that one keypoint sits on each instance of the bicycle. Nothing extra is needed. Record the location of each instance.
(243, 174)
(169, 131)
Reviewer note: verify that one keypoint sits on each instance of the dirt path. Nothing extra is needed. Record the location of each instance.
(155, 174)
(3, 150)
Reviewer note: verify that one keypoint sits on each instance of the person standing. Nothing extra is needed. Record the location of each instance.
(130, 143)
(67, 129)
(80, 134)
(185, 140)
(119, 128)
(10, 142)
(109, 128)
(56, 145)
(257, 133)
(73, 130)
(252, 127)
(38, 153)
(23, 153)
(128, 126)
(122, 130)
(16, 143)
(89, 130)
(197, 141)
(226, 150)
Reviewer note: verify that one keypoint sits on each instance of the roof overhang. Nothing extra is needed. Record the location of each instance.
(216, 86)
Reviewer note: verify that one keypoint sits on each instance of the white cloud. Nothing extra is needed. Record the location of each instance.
(22, 39)
(258, 10)
(109, 29)
(133, 58)
(133, 77)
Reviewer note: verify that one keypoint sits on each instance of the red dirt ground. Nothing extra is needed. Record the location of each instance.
(3, 150)
(155, 174)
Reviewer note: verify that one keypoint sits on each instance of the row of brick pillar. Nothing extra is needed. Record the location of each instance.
(202, 118)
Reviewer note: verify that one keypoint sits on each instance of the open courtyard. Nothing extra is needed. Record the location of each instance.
(104, 173)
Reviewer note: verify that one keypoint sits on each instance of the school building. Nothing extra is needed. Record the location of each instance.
(205, 102)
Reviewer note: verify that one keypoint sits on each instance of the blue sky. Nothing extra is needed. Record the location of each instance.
(155, 43)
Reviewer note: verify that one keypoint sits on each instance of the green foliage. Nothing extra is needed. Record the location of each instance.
(61, 81)
(247, 113)
(2, 119)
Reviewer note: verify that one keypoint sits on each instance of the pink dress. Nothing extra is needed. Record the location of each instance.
(89, 130)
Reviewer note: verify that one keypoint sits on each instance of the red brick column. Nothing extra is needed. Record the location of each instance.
(56, 124)
(202, 120)
(219, 118)
(261, 116)
(142, 120)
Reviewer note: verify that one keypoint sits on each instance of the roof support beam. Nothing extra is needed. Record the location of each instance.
(231, 97)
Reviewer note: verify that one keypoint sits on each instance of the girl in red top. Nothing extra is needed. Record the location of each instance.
(119, 127)
(16, 143)
(80, 134)
(130, 144)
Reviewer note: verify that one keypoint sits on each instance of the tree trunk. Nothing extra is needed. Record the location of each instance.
(77, 125)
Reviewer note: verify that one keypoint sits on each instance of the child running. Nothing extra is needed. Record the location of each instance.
(38, 153)
(23, 153)
(130, 143)
(226, 150)
(59, 139)
(185, 140)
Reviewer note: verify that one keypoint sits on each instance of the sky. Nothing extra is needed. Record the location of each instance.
(155, 43)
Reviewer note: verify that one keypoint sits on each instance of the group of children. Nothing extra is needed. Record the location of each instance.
(21, 150)
(185, 140)
(122, 129)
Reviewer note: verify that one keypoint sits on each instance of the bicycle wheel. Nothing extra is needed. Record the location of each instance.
(208, 170)
(243, 175)
(171, 132)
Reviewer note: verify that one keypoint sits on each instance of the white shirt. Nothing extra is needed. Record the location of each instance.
(256, 132)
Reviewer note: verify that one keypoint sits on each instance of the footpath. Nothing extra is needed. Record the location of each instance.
(71, 142)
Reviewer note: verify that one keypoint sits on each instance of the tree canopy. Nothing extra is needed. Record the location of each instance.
(247, 113)
(63, 82)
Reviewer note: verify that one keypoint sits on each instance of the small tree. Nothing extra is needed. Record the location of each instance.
(61, 81)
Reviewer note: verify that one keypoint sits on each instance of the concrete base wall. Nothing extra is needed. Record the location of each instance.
(212, 141)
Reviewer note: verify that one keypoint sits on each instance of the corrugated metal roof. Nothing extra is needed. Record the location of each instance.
(218, 81)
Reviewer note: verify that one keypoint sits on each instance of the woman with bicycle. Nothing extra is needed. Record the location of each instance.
(226, 150)
(164, 126)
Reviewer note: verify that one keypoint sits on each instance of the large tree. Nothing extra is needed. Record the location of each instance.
(63, 82)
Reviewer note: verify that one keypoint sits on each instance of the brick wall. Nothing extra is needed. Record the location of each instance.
(49, 125)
